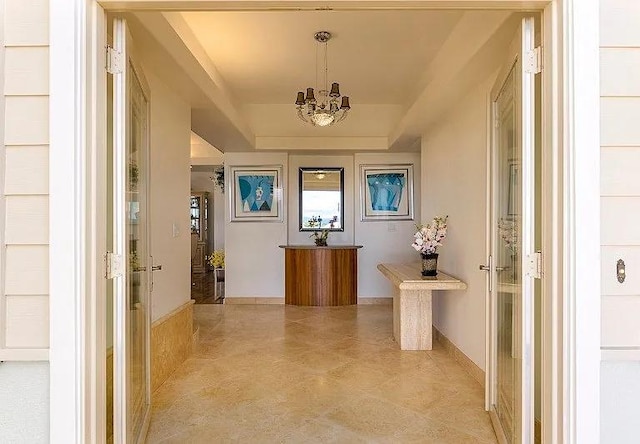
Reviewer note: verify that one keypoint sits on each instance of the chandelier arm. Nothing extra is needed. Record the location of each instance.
(301, 115)
(343, 115)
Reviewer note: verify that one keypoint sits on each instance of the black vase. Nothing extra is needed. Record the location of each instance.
(429, 264)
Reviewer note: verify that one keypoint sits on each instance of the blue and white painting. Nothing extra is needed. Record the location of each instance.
(256, 194)
(387, 192)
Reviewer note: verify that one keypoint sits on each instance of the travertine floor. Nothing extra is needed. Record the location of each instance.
(308, 374)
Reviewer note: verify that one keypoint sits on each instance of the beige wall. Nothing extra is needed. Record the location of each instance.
(454, 174)
(24, 302)
(620, 218)
(170, 188)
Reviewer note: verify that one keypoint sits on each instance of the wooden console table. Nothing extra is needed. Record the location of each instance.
(323, 276)
(412, 317)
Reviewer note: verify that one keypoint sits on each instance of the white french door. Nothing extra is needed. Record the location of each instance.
(513, 263)
(129, 216)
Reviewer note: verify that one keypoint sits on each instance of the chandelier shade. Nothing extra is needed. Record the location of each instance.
(330, 107)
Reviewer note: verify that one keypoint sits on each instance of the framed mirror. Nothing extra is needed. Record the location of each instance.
(321, 199)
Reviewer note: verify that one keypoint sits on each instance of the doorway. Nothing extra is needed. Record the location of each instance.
(206, 215)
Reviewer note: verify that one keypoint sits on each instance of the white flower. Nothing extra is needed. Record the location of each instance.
(429, 237)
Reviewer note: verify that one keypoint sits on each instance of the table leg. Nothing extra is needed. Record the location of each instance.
(412, 319)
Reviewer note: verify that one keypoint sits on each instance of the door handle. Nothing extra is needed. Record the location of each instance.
(156, 268)
(488, 268)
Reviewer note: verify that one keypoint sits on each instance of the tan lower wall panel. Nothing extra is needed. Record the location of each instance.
(171, 343)
(253, 301)
(476, 372)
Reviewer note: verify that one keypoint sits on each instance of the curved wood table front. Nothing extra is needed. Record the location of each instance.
(321, 276)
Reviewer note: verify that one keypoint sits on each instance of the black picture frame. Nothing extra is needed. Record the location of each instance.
(301, 172)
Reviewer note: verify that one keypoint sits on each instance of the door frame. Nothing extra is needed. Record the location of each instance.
(76, 227)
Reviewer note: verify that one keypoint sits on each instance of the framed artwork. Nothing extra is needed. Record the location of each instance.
(386, 192)
(256, 193)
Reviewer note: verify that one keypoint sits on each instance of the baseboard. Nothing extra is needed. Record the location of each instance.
(476, 372)
(172, 339)
(253, 301)
(375, 301)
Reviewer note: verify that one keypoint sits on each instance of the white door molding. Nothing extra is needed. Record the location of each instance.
(75, 129)
(580, 114)
(75, 55)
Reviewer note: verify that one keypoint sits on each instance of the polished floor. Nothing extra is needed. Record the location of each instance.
(281, 374)
(205, 289)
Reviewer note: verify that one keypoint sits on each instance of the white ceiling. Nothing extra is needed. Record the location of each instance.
(401, 69)
(376, 56)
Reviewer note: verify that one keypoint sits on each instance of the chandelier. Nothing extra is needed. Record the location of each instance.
(327, 109)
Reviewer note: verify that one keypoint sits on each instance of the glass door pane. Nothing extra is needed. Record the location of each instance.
(508, 260)
(137, 270)
(513, 233)
(131, 243)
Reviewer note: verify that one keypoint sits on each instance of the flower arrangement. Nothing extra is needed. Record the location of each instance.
(429, 237)
(320, 237)
(508, 231)
(216, 259)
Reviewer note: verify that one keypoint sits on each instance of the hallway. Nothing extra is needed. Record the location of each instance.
(274, 373)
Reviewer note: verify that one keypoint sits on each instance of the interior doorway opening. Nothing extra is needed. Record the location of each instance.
(206, 212)
(201, 222)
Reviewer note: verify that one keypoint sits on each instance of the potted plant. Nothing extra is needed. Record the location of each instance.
(427, 240)
(320, 237)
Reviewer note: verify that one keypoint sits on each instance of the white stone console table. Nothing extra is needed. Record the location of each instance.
(412, 316)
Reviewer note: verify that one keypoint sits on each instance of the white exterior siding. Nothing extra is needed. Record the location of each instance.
(24, 303)
(24, 226)
(620, 216)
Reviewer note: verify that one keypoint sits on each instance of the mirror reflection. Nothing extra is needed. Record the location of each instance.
(321, 199)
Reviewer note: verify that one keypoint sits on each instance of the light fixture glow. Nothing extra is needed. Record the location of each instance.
(330, 107)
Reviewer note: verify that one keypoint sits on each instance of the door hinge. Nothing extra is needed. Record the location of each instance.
(533, 61)
(113, 265)
(114, 61)
(534, 265)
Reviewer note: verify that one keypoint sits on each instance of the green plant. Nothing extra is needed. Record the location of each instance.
(320, 237)
(218, 175)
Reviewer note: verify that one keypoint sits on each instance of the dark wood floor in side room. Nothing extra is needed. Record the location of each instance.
(203, 288)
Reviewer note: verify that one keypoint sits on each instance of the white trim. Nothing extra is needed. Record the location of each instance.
(581, 193)
(575, 123)
(620, 354)
(24, 354)
(67, 219)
